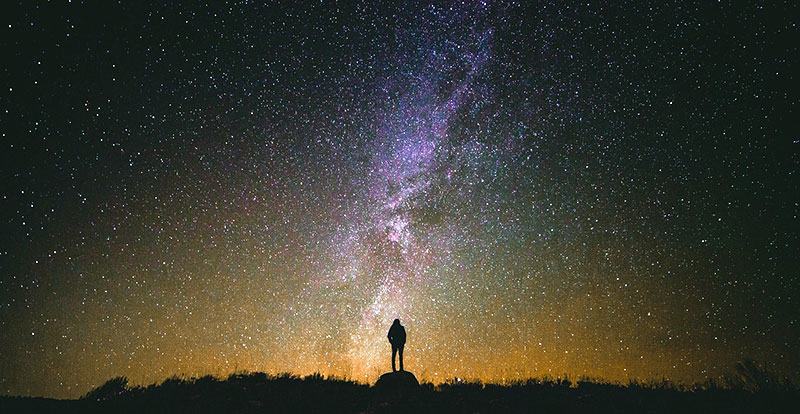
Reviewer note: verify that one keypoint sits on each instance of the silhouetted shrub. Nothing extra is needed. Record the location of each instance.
(752, 377)
(111, 388)
(315, 377)
(206, 380)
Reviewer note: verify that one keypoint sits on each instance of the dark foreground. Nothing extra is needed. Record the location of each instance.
(259, 392)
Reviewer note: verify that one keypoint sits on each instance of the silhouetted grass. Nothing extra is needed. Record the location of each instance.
(749, 389)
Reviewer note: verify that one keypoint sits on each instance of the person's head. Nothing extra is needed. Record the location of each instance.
(397, 321)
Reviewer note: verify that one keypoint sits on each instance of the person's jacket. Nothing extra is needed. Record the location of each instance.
(397, 334)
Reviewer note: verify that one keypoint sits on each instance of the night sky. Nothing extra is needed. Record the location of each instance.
(533, 190)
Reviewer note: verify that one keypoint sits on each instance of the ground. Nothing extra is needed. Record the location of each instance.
(399, 392)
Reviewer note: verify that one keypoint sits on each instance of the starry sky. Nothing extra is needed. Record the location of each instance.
(533, 189)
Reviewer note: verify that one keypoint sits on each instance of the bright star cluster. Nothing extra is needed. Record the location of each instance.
(532, 189)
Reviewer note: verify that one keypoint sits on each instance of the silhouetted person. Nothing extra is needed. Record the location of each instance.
(397, 337)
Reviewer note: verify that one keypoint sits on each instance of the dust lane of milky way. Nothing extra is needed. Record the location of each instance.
(533, 190)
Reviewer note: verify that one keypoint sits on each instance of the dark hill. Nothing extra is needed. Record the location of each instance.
(398, 392)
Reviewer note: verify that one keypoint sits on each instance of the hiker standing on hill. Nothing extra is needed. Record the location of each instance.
(397, 337)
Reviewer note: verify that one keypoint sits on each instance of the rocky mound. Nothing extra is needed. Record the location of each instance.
(396, 384)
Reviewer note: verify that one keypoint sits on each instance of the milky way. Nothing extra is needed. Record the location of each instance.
(533, 190)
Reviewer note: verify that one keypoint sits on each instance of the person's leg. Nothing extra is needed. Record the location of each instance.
(394, 352)
(401, 356)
